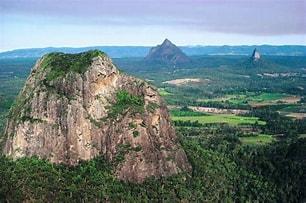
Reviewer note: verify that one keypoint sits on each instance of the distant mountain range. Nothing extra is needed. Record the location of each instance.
(142, 51)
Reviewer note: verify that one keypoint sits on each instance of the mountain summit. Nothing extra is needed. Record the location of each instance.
(255, 55)
(168, 53)
(258, 62)
(75, 107)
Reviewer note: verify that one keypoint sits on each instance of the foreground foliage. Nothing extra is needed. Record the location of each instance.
(222, 170)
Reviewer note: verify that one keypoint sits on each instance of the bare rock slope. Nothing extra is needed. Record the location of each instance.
(255, 55)
(78, 106)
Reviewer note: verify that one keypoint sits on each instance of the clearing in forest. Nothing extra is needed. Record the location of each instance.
(184, 81)
(231, 119)
(257, 139)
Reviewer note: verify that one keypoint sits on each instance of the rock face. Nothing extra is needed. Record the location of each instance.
(255, 55)
(78, 106)
(257, 62)
(168, 53)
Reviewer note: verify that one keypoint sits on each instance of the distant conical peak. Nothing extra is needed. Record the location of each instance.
(167, 42)
(167, 52)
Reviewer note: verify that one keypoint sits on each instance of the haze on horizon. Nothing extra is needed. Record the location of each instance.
(76, 23)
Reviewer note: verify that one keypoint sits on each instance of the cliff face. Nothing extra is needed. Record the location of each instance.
(77, 106)
(168, 53)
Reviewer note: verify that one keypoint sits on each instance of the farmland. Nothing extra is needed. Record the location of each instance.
(220, 118)
(257, 139)
(248, 135)
(255, 99)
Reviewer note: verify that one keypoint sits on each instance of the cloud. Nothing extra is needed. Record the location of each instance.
(41, 23)
(253, 17)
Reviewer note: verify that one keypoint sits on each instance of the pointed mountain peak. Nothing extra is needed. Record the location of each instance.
(258, 62)
(255, 55)
(167, 42)
(167, 53)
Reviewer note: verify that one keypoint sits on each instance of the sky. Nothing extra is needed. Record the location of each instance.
(79, 23)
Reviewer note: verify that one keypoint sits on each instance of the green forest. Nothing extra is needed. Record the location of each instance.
(243, 129)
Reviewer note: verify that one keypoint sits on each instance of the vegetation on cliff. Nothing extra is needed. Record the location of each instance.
(76, 116)
(126, 102)
(60, 63)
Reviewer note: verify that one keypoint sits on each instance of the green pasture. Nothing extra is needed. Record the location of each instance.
(231, 119)
(297, 108)
(163, 92)
(269, 96)
(260, 139)
(249, 97)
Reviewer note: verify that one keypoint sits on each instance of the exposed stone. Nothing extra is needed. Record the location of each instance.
(255, 55)
(67, 119)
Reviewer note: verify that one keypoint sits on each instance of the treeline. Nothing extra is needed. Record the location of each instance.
(278, 124)
(223, 105)
(282, 164)
(214, 177)
(223, 169)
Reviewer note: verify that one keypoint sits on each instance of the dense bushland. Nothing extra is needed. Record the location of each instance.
(223, 169)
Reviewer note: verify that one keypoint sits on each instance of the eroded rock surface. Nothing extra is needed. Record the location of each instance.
(77, 107)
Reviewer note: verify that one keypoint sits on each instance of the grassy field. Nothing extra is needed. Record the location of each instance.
(299, 108)
(163, 92)
(249, 97)
(230, 98)
(302, 136)
(220, 118)
(256, 140)
(268, 96)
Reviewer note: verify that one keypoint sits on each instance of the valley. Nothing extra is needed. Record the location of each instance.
(146, 101)
(231, 120)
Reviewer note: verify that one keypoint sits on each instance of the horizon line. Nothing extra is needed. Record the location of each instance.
(183, 45)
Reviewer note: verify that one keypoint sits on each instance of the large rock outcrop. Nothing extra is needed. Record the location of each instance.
(255, 55)
(256, 61)
(78, 106)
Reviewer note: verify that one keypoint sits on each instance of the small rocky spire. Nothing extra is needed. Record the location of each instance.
(255, 55)
(166, 42)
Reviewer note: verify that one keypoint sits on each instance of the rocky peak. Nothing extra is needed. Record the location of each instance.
(167, 42)
(255, 55)
(75, 107)
(167, 53)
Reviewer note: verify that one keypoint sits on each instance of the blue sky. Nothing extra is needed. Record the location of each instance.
(75, 23)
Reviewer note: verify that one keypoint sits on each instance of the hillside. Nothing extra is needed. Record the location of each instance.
(75, 107)
(238, 158)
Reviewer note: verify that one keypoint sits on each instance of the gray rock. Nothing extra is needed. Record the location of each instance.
(67, 119)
